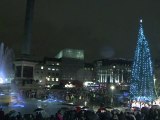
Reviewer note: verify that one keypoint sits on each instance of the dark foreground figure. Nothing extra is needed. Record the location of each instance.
(87, 114)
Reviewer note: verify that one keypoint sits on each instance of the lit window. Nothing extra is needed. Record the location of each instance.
(53, 69)
(57, 79)
(52, 79)
(42, 67)
(57, 63)
(114, 66)
(47, 78)
(116, 81)
(49, 68)
(57, 69)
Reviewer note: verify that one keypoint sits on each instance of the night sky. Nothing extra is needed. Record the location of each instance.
(103, 28)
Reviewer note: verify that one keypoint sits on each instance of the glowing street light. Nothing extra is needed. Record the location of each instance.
(112, 89)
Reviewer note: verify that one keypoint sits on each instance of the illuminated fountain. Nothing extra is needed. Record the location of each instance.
(6, 64)
(6, 74)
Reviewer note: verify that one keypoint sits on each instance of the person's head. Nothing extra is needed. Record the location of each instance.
(52, 116)
(102, 105)
(78, 108)
(59, 111)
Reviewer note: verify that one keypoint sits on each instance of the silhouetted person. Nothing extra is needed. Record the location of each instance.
(19, 116)
(39, 116)
(138, 116)
(121, 116)
(1, 114)
(52, 117)
(59, 115)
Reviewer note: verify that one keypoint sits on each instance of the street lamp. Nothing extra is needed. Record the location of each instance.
(112, 89)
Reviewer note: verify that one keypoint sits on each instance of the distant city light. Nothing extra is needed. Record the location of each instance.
(69, 86)
(87, 83)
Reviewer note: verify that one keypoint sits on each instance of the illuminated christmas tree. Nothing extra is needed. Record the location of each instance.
(142, 81)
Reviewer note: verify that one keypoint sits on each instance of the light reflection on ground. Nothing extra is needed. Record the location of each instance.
(29, 105)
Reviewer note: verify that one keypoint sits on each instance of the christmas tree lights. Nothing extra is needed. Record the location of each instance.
(142, 80)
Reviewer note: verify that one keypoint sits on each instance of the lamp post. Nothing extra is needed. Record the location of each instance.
(112, 89)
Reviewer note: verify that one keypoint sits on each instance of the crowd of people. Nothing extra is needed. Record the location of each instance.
(79, 96)
(85, 113)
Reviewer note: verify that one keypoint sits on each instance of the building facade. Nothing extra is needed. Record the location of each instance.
(47, 72)
(72, 62)
(87, 73)
(113, 71)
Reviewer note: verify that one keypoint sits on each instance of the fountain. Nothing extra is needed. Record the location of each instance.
(6, 64)
(6, 73)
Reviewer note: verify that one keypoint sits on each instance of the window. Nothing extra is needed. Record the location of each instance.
(42, 67)
(47, 78)
(18, 71)
(49, 68)
(57, 79)
(28, 71)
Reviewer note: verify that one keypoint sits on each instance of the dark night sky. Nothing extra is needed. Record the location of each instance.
(103, 28)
